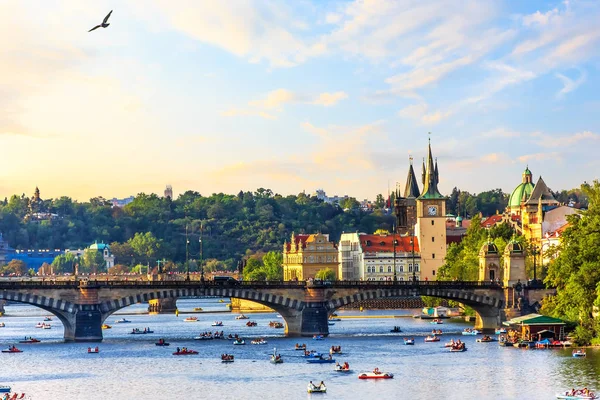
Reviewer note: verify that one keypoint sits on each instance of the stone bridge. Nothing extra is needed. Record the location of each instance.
(83, 306)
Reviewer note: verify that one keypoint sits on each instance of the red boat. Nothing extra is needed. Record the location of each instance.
(185, 352)
(12, 349)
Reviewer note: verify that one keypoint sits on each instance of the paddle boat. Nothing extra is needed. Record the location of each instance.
(320, 388)
(276, 324)
(47, 318)
(40, 325)
(470, 332)
(330, 323)
(432, 339)
(437, 332)
(204, 336)
(259, 341)
(241, 316)
(5, 389)
(221, 301)
(239, 341)
(485, 339)
(276, 357)
(2, 325)
(436, 321)
(251, 323)
(345, 367)
(579, 353)
(47, 326)
(122, 321)
(300, 346)
(138, 331)
(376, 374)
(396, 329)
(335, 350)
(320, 360)
(334, 319)
(227, 358)
(197, 308)
(449, 344)
(161, 342)
(191, 319)
(29, 340)
(312, 353)
(500, 331)
(184, 352)
(577, 394)
(217, 323)
(105, 326)
(409, 342)
(458, 347)
(93, 350)
(318, 337)
(12, 349)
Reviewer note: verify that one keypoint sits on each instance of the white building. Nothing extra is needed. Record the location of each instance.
(371, 257)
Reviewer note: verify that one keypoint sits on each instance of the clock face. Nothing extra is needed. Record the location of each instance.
(432, 210)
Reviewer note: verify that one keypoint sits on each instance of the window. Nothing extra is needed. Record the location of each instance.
(433, 255)
(409, 267)
(416, 267)
(401, 279)
(433, 238)
(389, 269)
(433, 272)
(432, 222)
(381, 269)
(401, 268)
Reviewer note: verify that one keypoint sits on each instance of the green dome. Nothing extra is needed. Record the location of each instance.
(489, 248)
(523, 190)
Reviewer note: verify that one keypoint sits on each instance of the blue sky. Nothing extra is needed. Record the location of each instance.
(222, 96)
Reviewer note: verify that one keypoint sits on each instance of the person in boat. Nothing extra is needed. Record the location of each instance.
(346, 365)
(89, 349)
(321, 385)
(330, 357)
(312, 385)
(376, 371)
(570, 393)
(96, 349)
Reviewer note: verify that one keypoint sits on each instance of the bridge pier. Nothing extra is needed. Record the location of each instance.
(83, 325)
(311, 320)
(2, 302)
(163, 306)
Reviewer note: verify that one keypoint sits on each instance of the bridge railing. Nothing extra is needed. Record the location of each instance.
(177, 284)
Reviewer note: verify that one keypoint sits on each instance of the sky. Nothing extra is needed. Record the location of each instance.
(222, 96)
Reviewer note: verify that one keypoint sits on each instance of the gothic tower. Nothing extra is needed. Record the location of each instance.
(406, 205)
(431, 221)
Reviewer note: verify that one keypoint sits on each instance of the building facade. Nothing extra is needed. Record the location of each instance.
(305, 255)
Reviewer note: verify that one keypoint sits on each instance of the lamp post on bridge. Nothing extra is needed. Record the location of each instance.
(201, 255)
(412, 242)
(187, 255)
(394, 241)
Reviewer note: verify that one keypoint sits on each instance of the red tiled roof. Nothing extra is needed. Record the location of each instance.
(376, 243)
(299, 239)
(558, 232)
(491, 221)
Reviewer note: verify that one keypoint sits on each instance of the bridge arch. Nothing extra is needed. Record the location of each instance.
(487, 305)
(286, 306)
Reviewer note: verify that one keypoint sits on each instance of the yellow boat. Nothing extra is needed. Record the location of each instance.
(105, 326)
(198, 309)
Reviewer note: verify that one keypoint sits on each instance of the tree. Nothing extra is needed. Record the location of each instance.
(118, 269)
(349, 203)
(145, 246)
(123, 253)
(16, 267)
(273, 266)
(326, 274)
(575, 272)
(379, 201)
(93, 261)
(63, 263)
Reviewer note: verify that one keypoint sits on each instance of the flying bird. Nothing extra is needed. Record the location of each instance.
(104, 23)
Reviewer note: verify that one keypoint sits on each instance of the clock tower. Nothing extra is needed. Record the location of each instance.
(431, 221)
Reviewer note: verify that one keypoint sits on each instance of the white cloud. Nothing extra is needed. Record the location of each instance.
(569, 84)
(414, 111)
(540, 18)
(276, 99)
(240, 112)
(539, 157)
(566, 140)
(329, 99)
(420, 113)
(500, 133)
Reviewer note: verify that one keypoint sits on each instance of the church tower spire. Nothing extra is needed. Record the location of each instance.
(430, 189)
(436, 173)
(411, 190)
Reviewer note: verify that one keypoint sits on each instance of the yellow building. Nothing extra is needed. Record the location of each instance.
(305, 255)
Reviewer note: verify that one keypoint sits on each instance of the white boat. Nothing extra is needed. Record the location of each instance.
(589, 396)
(316, 389)
(241, 316)
(2, 325)
(191, 319)
(342, 368)
(122, 321)
(239, 342)
(470, 332)
(47, 326)
(258, 341)
(217, 323)
(375, 375)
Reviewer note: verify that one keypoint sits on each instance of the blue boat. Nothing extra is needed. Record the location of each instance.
(409, 341)
(320, 360)
(318, 337)
(5, 389)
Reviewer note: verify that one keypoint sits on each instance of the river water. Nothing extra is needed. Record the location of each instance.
(132, 367)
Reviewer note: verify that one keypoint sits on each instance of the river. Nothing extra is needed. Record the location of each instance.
(132, 367)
